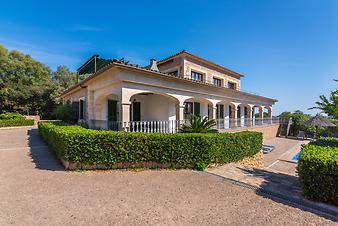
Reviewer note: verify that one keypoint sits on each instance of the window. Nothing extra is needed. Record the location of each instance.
(196, 76)
(192, 108)
(217, 82)
(231, 85)
(174, 73)
(81, 109)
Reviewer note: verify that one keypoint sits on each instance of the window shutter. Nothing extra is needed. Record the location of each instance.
(75, 106)
(221, 111)
(197, 109)
(112, 110)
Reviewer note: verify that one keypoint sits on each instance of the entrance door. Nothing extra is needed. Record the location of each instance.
(136, 111)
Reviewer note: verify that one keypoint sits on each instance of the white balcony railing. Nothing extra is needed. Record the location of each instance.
(172, 126)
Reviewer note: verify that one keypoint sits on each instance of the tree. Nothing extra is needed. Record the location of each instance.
(65, 113)
(23, 81)
(28, 86)
(329, 105)
(64, 77)
(298, 119)
(199, 125)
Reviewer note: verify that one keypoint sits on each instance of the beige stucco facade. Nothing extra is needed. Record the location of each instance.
(163, 97)
(185, 63)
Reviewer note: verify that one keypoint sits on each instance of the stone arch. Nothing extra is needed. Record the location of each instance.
(100, 109)
(153, 106)
(202, 107)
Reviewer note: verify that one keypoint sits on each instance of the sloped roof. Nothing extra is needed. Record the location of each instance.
(184, 52)
(122, 64)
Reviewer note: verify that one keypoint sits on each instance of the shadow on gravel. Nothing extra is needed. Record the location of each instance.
(285, 189)
(41, 155)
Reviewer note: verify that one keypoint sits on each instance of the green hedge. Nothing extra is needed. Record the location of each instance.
(329, 141)
(318, 170)
(11, 115)
(79, 145)
(16, 122)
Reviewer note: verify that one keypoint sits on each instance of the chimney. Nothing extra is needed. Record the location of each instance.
(153, 65)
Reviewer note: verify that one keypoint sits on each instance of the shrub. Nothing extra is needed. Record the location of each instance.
(329, 141)
(65, 113)
(318, 170)
(198, 124)
(16, 122)
(10, 115)
(79, 145)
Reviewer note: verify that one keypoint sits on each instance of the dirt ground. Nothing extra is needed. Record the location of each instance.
(35, 190)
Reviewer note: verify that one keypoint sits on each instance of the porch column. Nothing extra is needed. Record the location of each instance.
(125, 116)
(261, 114)
(214, 110)
(226, 117)
(181, 112)
(250, 115)
(235, 105)
(270, 111)
(270, 114)
(242, 115)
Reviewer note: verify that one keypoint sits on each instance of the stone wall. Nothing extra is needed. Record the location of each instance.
(255, 161)
(269, 131)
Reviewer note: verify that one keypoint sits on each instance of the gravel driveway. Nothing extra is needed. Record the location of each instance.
(34, 190)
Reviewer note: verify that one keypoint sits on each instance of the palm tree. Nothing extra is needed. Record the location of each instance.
(328, 106)
(198, 124)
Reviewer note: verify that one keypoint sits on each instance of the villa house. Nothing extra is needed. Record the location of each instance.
(156, 98)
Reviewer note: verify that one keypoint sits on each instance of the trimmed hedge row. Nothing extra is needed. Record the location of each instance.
(16, 122)
(326, 142)
(79, 145)
(318, 170)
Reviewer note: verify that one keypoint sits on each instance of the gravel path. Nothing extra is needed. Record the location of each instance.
(34, 190)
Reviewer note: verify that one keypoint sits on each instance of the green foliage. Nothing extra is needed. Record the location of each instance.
(198, 124)
(200, 166)
(24, 83)
(329, 105)
(10, 115)
(79, 145)
(265, 115)
(298, 119)
(326, 142)
(14, 119)
(63, 79)
(28, 86)
(65, 113)
(16, 122)
(318, 170)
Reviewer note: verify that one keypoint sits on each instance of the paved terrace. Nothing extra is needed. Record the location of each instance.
(35, 190)
(278, 176)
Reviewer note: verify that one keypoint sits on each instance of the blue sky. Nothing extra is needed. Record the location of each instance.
(287, 50)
